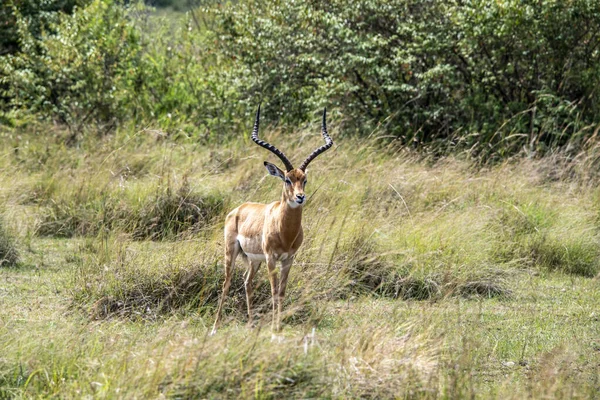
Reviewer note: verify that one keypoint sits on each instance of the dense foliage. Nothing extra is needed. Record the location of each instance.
(476, 71)
(85, 72)
(38, 15)
(495, 77)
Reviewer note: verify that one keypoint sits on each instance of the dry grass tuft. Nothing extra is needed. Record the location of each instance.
(417, 279)
(167, 214)
(173, 213)
(9, 255)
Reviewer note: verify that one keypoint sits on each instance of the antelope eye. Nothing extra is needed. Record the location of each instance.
(287, 181)
(305, 182)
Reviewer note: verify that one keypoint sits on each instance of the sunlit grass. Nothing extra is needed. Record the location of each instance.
(417, 279)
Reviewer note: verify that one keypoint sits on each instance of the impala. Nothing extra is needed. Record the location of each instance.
(269, 232)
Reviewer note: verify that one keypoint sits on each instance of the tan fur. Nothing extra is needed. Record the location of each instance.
(271, 231)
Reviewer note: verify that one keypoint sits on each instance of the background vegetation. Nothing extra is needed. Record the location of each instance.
(494, 78)
(438, 262)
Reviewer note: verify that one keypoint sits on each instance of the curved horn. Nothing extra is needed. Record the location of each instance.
(326, 146)
(268, 146)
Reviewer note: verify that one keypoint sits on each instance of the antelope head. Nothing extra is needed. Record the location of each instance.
(294, 179)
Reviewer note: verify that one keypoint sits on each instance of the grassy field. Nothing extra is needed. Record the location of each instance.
(417, 279)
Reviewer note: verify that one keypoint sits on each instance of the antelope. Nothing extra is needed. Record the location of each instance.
(269, 232)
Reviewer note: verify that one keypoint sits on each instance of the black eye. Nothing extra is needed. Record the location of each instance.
(288, 181)
(305, 183)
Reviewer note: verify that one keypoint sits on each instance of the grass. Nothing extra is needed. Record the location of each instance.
(165, 214)
(9, 255)
(417, 278)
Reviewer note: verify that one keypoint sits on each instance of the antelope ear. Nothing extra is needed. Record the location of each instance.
(274, 170)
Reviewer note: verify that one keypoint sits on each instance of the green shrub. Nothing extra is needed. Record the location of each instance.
(494, 75)
(188, 86)
(84, 70)
(40, 16)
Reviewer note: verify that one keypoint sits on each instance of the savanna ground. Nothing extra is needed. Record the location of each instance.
(417, 278)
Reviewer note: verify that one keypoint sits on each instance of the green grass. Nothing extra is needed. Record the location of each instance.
(417, 278)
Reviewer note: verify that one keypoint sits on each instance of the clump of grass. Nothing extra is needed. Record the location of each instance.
(70, 217)
(185, 287)
(134, 286)
(172, 213)
(166, 215)
(149, 283)
(486, 284)
(138, 280)
(572, 256)
(418, 288)
(528, 219)
(41, 191)
(283, 375)
(372, 363)
(526, 235)
(366, 272)
(140, 290)
(435, 286)
(9, 256)
(364, 269)
(486, 288)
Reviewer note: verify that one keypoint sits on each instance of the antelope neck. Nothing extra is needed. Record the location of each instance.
(290, 220)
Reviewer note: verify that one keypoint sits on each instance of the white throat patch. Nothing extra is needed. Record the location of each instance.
(293, 204)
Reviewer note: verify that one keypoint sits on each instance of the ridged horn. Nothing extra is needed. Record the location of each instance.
(325, 147)
(268, 146)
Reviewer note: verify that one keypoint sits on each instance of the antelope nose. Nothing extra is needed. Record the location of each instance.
(300, 197)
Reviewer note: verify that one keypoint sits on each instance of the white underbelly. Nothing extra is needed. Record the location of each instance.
(262, 257)
(252, 248)
(256, 256)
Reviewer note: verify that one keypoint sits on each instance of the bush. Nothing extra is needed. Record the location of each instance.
(499, 75)
(35, 17)
(39, 14)
(85, 70)
(188, 87)
(492, 77)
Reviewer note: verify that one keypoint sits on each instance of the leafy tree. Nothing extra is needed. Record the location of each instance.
(492, 73)
(84, 70)
(40, 14)
(493, 77)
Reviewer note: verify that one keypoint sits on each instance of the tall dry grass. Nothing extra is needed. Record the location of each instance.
(418, 278)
